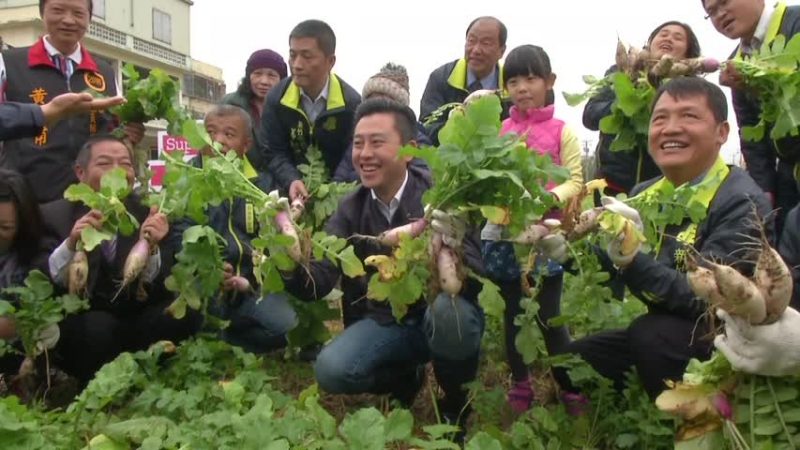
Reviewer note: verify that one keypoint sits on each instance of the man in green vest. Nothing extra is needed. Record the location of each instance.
(479, 69)
(687, 129)
(773, 164)
(311, 107)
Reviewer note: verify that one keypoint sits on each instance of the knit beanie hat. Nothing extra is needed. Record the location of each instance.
(391, 81)
(266, 59)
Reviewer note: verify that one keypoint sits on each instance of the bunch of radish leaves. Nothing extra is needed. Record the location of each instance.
(478, 175)
(188, 191)
(157, 96)
(324, 195)
(772, 73)
(629, 120)
(109, 200)
(34, 308)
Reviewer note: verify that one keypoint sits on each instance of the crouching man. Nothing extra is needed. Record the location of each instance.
(117, 320)
(376, 353)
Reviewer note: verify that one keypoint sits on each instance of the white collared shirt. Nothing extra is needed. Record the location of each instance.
(761, 30)
(389, 210)
(314, 107)
(490, 81)
(59, 260)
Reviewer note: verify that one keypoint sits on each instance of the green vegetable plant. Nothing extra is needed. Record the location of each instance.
(771, 74)
(34, 308)
(478, 175)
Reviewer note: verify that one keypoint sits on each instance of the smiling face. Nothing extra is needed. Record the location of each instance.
(105, 156)
(685, 137)
(376, 142)
(735, 19)
(66, 22)
(670, 40)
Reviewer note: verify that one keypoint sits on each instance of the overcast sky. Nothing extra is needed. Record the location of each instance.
(579, 35)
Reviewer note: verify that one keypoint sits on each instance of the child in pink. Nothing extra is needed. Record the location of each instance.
(529, 81)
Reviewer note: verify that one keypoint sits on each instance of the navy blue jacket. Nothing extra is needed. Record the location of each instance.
(286, 132)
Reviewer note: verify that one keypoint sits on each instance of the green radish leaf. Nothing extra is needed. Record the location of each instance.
(92, 237)
(351, 265)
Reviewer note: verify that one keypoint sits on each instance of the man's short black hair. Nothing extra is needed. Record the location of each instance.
(319, 30)
(683, 87)
(502, 37)
(405, 122)
(42, 2)
(85, 153)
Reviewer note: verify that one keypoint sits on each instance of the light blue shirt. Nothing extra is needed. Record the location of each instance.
(491, 81)
(314, 107)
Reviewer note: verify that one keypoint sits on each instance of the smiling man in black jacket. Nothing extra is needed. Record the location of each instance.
(376, 353)
(688, 126)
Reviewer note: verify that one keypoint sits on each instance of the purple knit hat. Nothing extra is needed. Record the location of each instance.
(266, 59)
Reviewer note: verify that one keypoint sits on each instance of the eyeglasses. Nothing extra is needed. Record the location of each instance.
(716, 9)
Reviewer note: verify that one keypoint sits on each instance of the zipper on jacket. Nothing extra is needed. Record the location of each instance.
(639, 168)
(235, 239)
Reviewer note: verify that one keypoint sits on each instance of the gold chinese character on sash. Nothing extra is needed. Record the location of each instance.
(41, 140)
(93, 122)
(38, 95)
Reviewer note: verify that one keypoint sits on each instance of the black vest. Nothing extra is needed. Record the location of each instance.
(47, 160)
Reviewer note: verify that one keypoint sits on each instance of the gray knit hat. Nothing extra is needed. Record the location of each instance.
(391, 81)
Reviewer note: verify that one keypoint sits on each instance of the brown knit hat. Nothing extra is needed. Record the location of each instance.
(391, 81)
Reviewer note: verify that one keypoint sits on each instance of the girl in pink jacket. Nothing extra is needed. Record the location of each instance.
(529, 81)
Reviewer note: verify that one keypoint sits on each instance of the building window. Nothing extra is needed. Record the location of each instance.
(203, 88)
(162, 26)
(99, 8)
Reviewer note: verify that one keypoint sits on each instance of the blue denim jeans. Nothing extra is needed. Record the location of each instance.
(353, 362)
(258, 326)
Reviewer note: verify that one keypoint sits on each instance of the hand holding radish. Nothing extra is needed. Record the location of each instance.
(624, 247)
(298, 190)
(449, 226)
(155, 227)
(771, 350)
(554, 244)
(93, 218)
(134, 131)
(232, 282)
(729, 76)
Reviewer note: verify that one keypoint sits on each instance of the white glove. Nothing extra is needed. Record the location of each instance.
(614, 249)
(554, 246)
(48, 337)
(618, 207)
(478, 94)
(450, 226)
(772, 350)
(492, 232)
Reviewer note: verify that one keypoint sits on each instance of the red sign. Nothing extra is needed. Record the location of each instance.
(167, 143)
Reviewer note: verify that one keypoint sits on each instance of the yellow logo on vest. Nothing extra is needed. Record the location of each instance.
(330, 124)
(38, 96)
(95, 81)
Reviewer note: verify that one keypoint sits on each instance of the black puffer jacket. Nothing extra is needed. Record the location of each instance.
(661, 283)
(789, 248)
